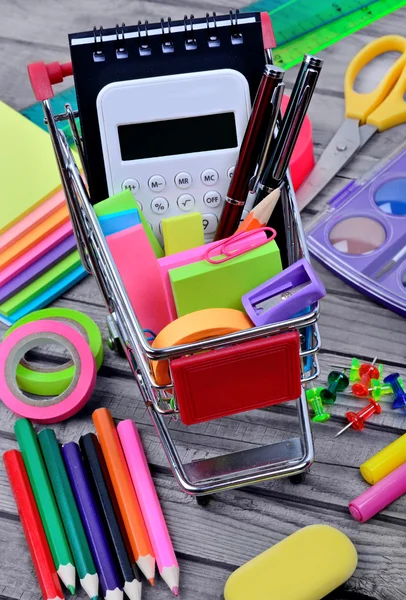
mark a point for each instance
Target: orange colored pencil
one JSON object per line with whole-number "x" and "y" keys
{"x": 260, "y": 214}
{"x": 125, "y": 493}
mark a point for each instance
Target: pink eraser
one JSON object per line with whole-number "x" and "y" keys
{"x": 380, "y": 495}
{"x": 268, "y": 36}
{"x": 194, "y": 255}
{"x": 141, "y": 275}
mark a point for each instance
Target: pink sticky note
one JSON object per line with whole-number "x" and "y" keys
{"x": 34, "y": 253}
{"x": 141, "y": 275}
{"x": 34, "y": 218}
{"x": 194, "y": 255}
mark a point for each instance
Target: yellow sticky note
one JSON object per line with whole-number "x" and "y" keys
{"x": 182, "y": 232}
{"x": 28, "y": 170}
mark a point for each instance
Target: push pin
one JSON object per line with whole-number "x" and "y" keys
{"x": 353, "y": 369}
{"x": 379, "y": 389}
{"x": 337, "y": 382}
{"x": 367, "y": 371}
{"x": 313, "y": 398}
{"x": 400, "y": 396}
{"x": 357, "y": 420}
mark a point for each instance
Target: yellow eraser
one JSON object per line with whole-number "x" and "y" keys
{"x": 182, "y": 232}
{"x": 307, "y": 565}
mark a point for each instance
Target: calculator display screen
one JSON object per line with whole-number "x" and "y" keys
{"x": 177, "y": 136}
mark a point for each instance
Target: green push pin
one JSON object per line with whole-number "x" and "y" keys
{"x": 379, "y": 389}
{"x": 313, "y": 398}
{"x": 337, "y": 382}
{"x": 354, "y": 370}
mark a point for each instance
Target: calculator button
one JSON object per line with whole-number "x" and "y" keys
{"x": 212, "y": 199}
{"x": 156, "y": 183}
{"x": 159, "y": 205}
{"x": 209, "y": 223}
{"x": 183, "y": 180}
{"x": 186, "y": 202}
{"x": 230, "y": 172}
{"x": 130, "y": 184}
{"x": 139, "y": 205}
{"x": 209, "y": 177}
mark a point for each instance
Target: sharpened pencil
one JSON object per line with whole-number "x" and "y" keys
{"x": 92, "y": 522}
{"x": 125, "y": 493}
{"x": 65, "y": 500}
{"x": 32, "y": 526}
{"x": 96, "y": 467}
{"x": 261, "y": 213}
{"x": 45, "y": 499}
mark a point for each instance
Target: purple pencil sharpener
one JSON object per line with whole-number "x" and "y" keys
{"x": 285, "y": 295}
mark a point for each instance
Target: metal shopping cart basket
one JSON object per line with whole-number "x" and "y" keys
{"x": 289, "y": 457}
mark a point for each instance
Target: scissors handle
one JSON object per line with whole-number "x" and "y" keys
{"x": 392, "y": 111}
{"x": 359, "y": 106}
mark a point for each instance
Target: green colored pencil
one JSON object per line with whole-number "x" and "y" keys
{"x": 44, "y": 497}
{"x": 65, "y": 499}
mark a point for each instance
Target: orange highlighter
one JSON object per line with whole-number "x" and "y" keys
{"x": 125, "y": 493}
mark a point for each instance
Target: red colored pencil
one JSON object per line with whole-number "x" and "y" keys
{"x": 32, "y": 525}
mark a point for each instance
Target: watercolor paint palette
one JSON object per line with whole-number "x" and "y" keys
{"x": 362, "y": 235}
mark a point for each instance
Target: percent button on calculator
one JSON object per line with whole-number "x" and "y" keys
{"x": 159, "y": 205}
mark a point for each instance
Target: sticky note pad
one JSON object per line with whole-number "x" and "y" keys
{"x": 28, "y": 169}
{"x": 118, "y": 221}
{"x": 125, "y": 201}
{"x": 204, "y": 285}
{"x": 182, "y": 232}
{"x": 41, "y": 284}
{"x": 141, "y": 275}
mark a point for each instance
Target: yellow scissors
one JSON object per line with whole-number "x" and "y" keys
{"x": 365, "y": 114}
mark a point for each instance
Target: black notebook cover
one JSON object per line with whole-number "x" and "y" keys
{"x": 122, "y": 53}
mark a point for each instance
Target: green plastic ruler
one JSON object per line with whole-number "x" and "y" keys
{"x": 303, "y": 26}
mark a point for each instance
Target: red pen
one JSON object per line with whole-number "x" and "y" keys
{"x": 259, "y": 129}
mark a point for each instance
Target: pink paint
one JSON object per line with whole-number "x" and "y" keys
{"x": 380, "y": 495}
{"x": 141, "y": 275}
{"x": 149, "y": 503}
{"x": 194, "y": 255}
{"x": 35, "y": 253}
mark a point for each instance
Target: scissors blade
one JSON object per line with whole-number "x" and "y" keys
{"x": 340, "y": 150}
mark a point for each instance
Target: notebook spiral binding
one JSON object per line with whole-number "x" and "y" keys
{"x": 167, "y": 42}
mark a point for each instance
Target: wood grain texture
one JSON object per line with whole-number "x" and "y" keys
{"x": 211, "y": 542}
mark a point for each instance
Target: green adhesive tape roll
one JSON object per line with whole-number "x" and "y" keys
{"x": 52, "y": 381}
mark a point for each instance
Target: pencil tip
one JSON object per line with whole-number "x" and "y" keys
{"x": 175, "y": 591}
{"x": 147, "y": 565}
{"x": 151, "y": 580}
{"x": 72, "y": 590}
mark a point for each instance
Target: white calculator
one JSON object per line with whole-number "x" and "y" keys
{"x": 174, "y": 141}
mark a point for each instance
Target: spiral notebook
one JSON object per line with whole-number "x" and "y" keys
{"x": 103, "y": 56}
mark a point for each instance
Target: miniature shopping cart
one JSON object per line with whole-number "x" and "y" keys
{"x": 289, "y": 457}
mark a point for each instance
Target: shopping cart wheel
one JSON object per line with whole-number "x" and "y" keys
{"x": 203, "y": 500}
{"x": 299, "y": 478}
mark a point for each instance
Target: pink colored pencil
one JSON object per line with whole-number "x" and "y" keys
{"x": 149, "y": 502}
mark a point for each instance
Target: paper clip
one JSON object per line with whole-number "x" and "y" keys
{"x": 236, "y": 250}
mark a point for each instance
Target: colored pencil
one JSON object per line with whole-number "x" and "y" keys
{"x": 261, "y": 213}
{"x": 45, "y": 499}
{"x": 65, "y": 500}
{"x": 125, "y": 493}
{"x": 92, "y": 522}
{"x": 149, "y": 502}
{"x": 32, "y": 526}
{"x": 96, "y": 467}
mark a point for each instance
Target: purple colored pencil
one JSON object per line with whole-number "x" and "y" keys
{"x": 92, "y": 522}
{"x": 37, "y": 268}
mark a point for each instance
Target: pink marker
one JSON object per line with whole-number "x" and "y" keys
{"x": 380, "y": 495}
{"x": 148, "y": 499}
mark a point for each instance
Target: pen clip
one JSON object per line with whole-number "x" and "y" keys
{"x": 276, "y": 102}
{"x": 236, "y": 250}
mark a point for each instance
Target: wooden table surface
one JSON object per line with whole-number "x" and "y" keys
{"x": 212, "y": 542}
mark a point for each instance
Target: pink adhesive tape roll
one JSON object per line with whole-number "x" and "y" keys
{"x": 56, "y": 408}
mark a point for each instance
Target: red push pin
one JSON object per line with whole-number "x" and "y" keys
{"x": 367, "y": 371}
{"x": 357, "y": 420}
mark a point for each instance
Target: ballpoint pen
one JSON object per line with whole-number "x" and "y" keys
{"x": 260, "y": 125}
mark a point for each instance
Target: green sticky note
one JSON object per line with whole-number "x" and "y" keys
{"x": 182, "y": 232}
{"x": 125, "y": 201}
{"x": 41, "y": 284}
{"x": 203, "y": 285}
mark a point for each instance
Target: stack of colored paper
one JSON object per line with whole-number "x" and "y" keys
{"x": 38, "y": 256}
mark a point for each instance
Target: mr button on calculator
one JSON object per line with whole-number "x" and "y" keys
{"x": 174, "y": 141}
